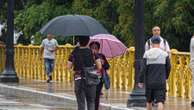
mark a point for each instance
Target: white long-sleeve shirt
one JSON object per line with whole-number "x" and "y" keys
{"x": 163, "y": 46}
{"x": 192, "y": 53}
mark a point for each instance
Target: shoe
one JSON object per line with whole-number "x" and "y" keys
{"x": 50, "y": 77}
{"x": 192, "y": 103}
{"x": 48, "y": 81}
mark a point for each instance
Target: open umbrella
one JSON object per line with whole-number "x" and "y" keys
{"x": 73, "y": 25}
{"x": 110, "y": 46}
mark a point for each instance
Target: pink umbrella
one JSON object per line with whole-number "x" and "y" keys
{"x": 110, "y": 46}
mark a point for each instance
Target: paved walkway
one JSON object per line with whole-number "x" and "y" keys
{"x": 115, "y": 98}
{"x": 16, "y": 103}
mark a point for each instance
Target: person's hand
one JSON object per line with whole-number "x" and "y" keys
{"x": 140, "y": 85}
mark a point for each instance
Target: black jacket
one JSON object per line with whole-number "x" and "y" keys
{"x": 155, "y": 69}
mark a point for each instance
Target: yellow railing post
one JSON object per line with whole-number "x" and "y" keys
{"x": 2, "y": 58}
{"x": 131, "y": 67}
{"x": 188, "y": 78}
{"x": 112, "y": 73}
{"x": 172, "y": 78}
{"x": 19, "y": 68}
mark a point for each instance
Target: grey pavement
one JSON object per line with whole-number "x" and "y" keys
{"x": 61, "y": 95}
{"x": 16, "y": 103}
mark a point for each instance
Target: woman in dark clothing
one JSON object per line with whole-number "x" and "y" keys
{"x": 82, "y": 57}
{"x": 95, "y": 46}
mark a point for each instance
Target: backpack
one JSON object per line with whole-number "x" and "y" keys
{"x": 149, "y": 43}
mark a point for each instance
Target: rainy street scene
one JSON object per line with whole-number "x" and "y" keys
{"x": 96, "y": 55}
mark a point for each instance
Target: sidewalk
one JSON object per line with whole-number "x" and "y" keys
{"x": 42, "y": 92}
{"x": 15, "y": 103}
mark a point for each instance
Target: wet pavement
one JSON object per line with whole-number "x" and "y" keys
{"x": 114, "y": 98}
{"x": 16, "y": 103}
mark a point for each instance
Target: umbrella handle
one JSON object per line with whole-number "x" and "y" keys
{"x": 73, "y": 40}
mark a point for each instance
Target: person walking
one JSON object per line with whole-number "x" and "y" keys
{"x": 163, "y": 44}
{"x": 80, "y": 58}
{"x": 192, "y": 66}
{"x": 155, "y": 72}
{"x": 49, "y": 45}
{"x": 95, "y": 46}
{"x": 2, "y": 37}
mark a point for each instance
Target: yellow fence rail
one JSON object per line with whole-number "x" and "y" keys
{"x": 180, "y": 80}
{"x": 29, "y": 65}
{"x": 2, "y": 58}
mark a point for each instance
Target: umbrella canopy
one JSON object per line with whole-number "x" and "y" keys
{"x": 73, "y": 25}
{"x": 110, "y": 46}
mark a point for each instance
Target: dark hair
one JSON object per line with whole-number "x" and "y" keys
{"x": 83, "y": 40}
{"x": 155, "y": 40}
{"x": 3, "y": 30}
{"x": 95, "y": 43}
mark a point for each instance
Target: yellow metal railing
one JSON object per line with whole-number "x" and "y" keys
{"x": 2, "y": 58}
{"x": 29, "y": 65}
{"x": 180, "y": 80}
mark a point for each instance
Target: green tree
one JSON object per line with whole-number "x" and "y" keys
{"x": 124, "y": 28}
{"x": 175, "y": 17}
{"x": 176, "y": 20}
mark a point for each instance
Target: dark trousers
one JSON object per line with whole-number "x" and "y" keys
{"x": 98, "y": 93}
{"x": 84, "y": 92}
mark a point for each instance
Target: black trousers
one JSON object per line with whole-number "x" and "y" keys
{"x": 98, "y": 93}
{"x": 85, "y": 93}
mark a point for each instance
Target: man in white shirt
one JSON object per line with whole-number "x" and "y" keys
{"x": 49, "y": 45}
{"x": 163, "y": 44}
{"x": 1, "y": 27}
{"x": 192, "y": 66}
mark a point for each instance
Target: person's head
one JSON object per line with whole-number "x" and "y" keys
{"x": 95, "y": 46}
{"x": 83, "y": 40}
{"x": 3, "y": 31}
{"x": 49, "y": 36}
{"x": 3, "y": 34}
{"x": 155, "y": 42}
{"x": 156, "y": 31}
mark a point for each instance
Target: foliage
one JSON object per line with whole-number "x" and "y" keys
{"x": 175, "y": 17}
{"x": 37, "y": 38}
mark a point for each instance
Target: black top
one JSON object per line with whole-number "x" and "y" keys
{"x": 82, "y": 57}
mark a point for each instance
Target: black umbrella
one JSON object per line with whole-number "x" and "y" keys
{"x": 73, "y": 25}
